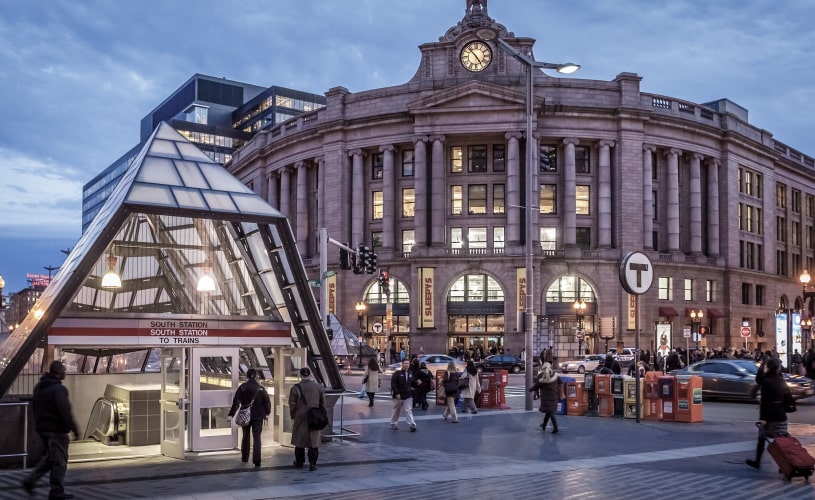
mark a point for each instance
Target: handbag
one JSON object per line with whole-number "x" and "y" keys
{"x": 450, "y": 385}
{"x": 244, "y": 415}
{"x": 317, "y": 416}
{"x": 464, "y": 383}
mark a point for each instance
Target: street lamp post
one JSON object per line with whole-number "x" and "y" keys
{"x": 807, "y": 294}
{"x": 531, "y": 64}
{"x": 580, "y": 311}
{"x": 696, "y": 320}
{"x": 360, "y": 308}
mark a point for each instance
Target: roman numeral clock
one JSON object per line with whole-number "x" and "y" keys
{"x": 476, "y": 56}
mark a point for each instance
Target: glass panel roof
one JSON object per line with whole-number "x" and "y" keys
{"x": 152, "y": 225}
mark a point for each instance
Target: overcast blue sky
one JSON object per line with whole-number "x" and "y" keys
{"x": 77, "y": 76}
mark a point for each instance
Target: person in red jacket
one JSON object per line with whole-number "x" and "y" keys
{"x": 53, "y": 421}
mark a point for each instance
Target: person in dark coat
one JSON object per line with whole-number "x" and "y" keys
{"x": 550, "y": 388}
{"x": 673, "y": 362}
{"x": 53, "y": 420}
{"x": 772, "y": 415}
{"x": 809, "y": 363}
{"x": 307, "y": 394}
{"x": 402, "y": 384}
{"x": 251, "y": 393}
{"x": 424, "y": 382}
{"x": 611, "y": 363}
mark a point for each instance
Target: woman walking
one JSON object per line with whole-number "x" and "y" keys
{"x": 469, "y": 392}
{"x": 551, "y": 391}
{"x": 372, "y": 380}
{"x": 451, "y": 381}
{"x": 772, "y": 414}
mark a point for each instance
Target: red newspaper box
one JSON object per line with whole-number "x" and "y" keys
{"x": 688, "y": 399}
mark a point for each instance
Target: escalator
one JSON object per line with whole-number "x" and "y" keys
{"x": 108, "y": 422}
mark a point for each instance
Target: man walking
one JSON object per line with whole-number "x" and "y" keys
{"x": 303, "y": 396}
{"x": 53, "y": 421}
{"x": 251, "y": 393}
{"x": 402, "y": 393}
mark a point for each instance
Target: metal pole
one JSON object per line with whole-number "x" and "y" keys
{"x": 530, "y": 192}
{"x": 323, "y": 270}
{"x": 637, "y": 392}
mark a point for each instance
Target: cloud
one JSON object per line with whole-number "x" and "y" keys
{"x": 38, "y": 196}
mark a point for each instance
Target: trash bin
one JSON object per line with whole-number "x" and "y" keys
{"x": 688, "y": 399}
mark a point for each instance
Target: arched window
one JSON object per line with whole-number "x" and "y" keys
{"x": 569, "y": 289}
{"x": 476, "y": 288}
{"x": 375, "y": 294}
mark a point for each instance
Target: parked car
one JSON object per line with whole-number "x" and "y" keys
{"x": 433, "y": 361}
{"x": 736, "y": 379}
{"x": 582, "y": 365}
{"x": 625, "y": 357}
{"x": 513, "y": 364}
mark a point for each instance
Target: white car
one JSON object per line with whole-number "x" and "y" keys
{"x": 433, "y": 361}
{"x": 582, "y": 365}
{"x": 627, "y": 356}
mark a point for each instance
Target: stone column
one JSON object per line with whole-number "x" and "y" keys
{"x": 438, "y": 196}
{"x": 648, "y": 195}
{"x": 569, "y": 199}
{"x": 285, "y": 191}
{"x": 513, "y": 194}
{"x": 320, "y": 165}
{"x": 672, "y": 217}
{"x": 358, "y": 198}
{"x": 388, "y": 197}
{"x": 420, "y": 215}
{"x": 695, "y": 202}
{"x": 272, "y": 189}
{"x": 713, "y": 207}
{"x": 302, "y": 206}
{"x": 604, "y": 194}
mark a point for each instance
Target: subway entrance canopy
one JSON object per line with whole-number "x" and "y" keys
{"x": 195, "y": 258}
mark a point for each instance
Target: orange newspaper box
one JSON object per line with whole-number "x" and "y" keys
{"x": 652, "y": 404}
{"x": 605, "y": 406}
{"x": 577, "y": 400}
{"x": 688, "y": 399}
{"x": 486, "y": 398}
{"x": 602, "y": 385}
{"x": 500, "y": 381}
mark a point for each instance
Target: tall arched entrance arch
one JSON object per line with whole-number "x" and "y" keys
{"x": 385, "y": 320}
{"x": 562, "y": 328}
{"x": 475, "y": 314}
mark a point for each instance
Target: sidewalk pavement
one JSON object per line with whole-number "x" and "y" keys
{"x": 490, "y": 455}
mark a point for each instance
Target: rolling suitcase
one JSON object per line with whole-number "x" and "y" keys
{"x": 792, "y": 458}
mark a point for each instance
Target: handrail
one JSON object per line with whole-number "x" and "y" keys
{"x": 24, "y": 454}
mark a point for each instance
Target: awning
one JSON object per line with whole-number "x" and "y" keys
{"x": 668, "y": 312}
{"x": 715, "y": 313}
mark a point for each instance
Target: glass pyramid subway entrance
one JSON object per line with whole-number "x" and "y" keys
{"x": 179, "y": 235}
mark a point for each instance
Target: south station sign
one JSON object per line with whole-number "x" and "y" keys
{"x": 165, "y": 332}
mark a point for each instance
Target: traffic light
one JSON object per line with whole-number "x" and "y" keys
{"x": 356, "y": 261}
{"x": 345, "y": 262}
{"x": 385, "y": 282}
{"x": 704, "y": 330}
{"x": 371, "y": 262}
{"x": 330, "y": 333}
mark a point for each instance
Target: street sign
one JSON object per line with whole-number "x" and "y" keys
{"x": 745, "y": 331}
{"x": 315, "y": 283}
{"x": 636, "y": 273}
{"x": 686, "y": 332}
{"x": 377, "y": 328}
{"x": 579, "y": 334}
{"x": 329, "y": 274}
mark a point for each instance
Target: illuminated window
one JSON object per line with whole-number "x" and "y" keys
{"x": 548, "y": 199}
{"x": 377, "y": 205}
{"x": 582, "y": 200}
{"x": 456, "y": 160}
{"x": 456, "y": 200}
{"x": 408, "y": 202}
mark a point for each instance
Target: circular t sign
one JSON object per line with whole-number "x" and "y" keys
{"x": 636, "y": 273}
{"x": 377, "y": 327}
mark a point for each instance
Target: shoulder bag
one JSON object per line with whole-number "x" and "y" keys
{"x": 244, "y": 415}
{"x": 450, "y": 385}
{"x": 317, "y": 416}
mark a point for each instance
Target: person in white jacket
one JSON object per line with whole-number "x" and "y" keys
{"x": 471, "y": 390}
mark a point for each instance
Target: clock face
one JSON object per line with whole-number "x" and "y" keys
{"x": 476, "y": 56}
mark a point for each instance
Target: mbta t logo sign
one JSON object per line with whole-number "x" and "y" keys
{"x": 636, "y": 273}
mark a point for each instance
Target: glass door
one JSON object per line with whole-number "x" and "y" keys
{"x": 173, "y": 402}
{"x": 213, "y": 382}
